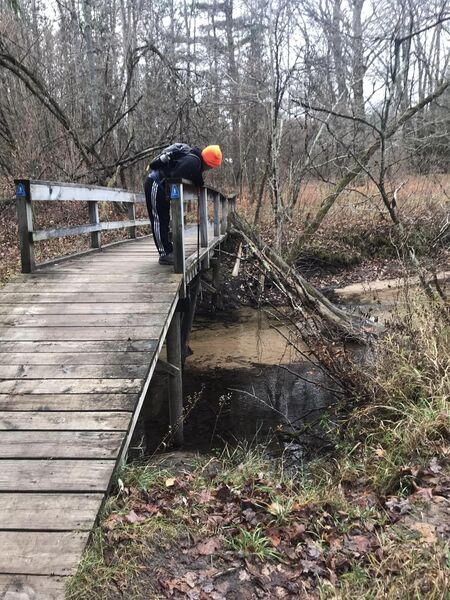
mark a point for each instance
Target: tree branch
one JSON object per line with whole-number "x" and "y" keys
{"x": 357, "y": 167}
{"x": 37, "y": 88}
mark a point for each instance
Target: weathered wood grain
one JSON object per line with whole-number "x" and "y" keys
{"x": 41, "y": 553}
{"x": 128, "y": 346}
{"x": 59, "y": 475}
{"x": 25, "y": 227}
{"x": 58, "y": 444}
{"x": 147, "y": 275}
{"x": 94, "y": 219}
{"x": 48, "y": 512}
{"x": 70, "y": 386}
{"x": 49, "y": 234}
{"x": 140, "y": 260}
{"x": 142, "y": 248}
{"x": 105, "y": 308}
{"x": 64, "y": 421}
{"x": 42, "y": 334}
{"x": 64, "y": 297}
{"x": 68, "y": 402}
{"x": 37, "y": 587}
{"x": 70, "y": 359}
{"x": 87, "y": 288}
{"x": 142, "y": 255}
{"x": 84, "y": 320}
{"x": 49, "y": 190}
{"x": 68, "y": 371}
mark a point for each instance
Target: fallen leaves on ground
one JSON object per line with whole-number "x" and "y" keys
{"x": 302, "y": 543}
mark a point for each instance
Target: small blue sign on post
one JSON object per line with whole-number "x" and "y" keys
{"x": 174, "y": 192}
{"x": 20, "y": 190}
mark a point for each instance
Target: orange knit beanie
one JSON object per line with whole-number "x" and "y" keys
{"x": 212, "y": 156}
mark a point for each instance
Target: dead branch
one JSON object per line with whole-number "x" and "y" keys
{"x": 302, "y": 294}
{"x": 38, "y": 89}
{"x": 237, "y": 264}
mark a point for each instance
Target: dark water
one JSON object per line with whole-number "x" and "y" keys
{"x": 245, "y": 378}
{"x": 241, "y": 383}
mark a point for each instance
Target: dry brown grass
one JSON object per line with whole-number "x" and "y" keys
{"x": 418, "y": 195}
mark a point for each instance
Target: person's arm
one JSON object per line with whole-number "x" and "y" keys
{"x": 189, "y": 167}
{"x": 197, "y": 178}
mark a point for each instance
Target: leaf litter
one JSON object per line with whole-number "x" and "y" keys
{"x": 230, "y": 541}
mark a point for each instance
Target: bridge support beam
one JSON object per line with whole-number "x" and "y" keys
{"x": 189, "y": 315}
{"x": 173, "y": 342}
{"x": 216, "y": 277}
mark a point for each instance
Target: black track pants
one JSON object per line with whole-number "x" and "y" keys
{"x": 159, "y": 212}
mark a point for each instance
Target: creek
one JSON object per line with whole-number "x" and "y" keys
{"x": 243, "y": 380}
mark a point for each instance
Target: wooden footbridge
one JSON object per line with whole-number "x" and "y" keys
{"x": 80, "y": 339}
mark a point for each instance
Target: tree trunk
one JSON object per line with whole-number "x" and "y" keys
{"x": 357, "y": 167}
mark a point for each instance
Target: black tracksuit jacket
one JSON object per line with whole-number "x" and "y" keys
{"x": 189, "y": 167}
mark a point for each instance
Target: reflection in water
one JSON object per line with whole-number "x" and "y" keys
{"x": 244, "y": 377}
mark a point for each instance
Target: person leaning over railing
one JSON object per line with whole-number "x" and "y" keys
{"x": 178, "y": 161}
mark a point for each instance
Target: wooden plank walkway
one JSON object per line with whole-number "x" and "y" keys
{"x": 79, "y": 342}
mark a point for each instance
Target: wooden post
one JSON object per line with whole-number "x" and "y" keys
{"x": 132, "y": 217}
{"x": 224, "y": 216}
{"x": 203, "y": 224}
{"x": 232, "y": 203}
{"x": 189, "y": 315}
{"x": 25, "y": 223}
{"x": 174, "y": 193}
{"x": 203, "y": 216}
{"x": 216, "y": 273}
{"x": 173, "y": 342}
{"x": 94, "y": 219}
{"x": 216, "y": 214}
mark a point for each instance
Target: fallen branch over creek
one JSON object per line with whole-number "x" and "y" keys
{"x": 303, "y": 297}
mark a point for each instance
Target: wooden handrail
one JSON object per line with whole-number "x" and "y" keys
{"x": 28, "y": 191}
{"x": 177, "y": 192}
{"x": 76, "y": 192}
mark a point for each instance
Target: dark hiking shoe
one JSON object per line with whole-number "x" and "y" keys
{"x": 166, "y": 260}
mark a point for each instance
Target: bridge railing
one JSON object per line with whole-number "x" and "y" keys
{"x": 28, "y": 191}
{"x": 180, "y": 192}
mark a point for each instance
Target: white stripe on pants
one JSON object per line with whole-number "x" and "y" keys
{"x": 156, "y": 224}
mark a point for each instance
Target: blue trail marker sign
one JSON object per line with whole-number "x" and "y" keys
{"x": 20, "y": 190}
{"x": 174, "y": 192}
